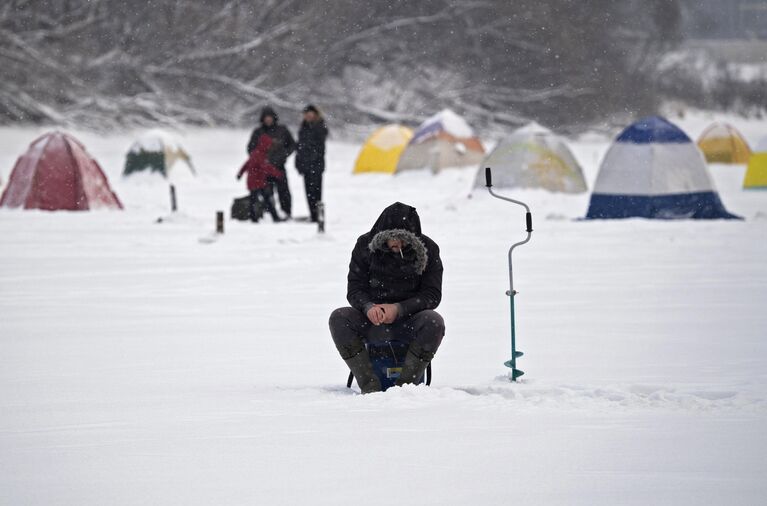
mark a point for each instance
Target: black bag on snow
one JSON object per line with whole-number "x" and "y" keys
{"x": 241, "y": 209}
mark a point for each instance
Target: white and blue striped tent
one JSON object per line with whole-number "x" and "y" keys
{"x": 653, "y": 170}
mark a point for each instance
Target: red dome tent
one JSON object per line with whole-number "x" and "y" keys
{"x": 56, "y": 173}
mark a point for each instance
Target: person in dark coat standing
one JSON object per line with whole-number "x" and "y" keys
{"x": 282, "y": 147}
{"x": 310, "y": 156}
{"x": 259, "y": 170}
{"x": 394, "y": 285}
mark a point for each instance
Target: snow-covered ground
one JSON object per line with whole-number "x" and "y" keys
{"x": 143, "y": 363}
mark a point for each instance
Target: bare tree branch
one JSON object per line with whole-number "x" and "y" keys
{"x": 38, "y": 57}
{"x": 232, "y": 83}
{"x": 374, "y": 31}
{"x": 234, "y": 50}
{"x": 64, "y": 30}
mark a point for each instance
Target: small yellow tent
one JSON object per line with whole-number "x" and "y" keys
{"x": 756, "y": 173}
{"x": 722, "y": 143}
{"x": 382, "y": 149}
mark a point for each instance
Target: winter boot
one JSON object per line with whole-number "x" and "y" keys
{"x": 362, "y": 369}
{"x": 415, "y": 365}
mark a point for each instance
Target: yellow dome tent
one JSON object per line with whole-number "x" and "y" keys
{"x": 382, "y": 149}
{"x": 756, "y": 173}
{"x": 722, "y": 143}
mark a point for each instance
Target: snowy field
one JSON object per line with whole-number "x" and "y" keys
{"x": 142, "y": 363}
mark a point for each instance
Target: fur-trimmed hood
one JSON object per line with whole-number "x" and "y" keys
{"x": 412, "y": 241}
{"x": 398, "y": 216}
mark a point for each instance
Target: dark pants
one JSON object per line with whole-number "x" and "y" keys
{"x": 283, "y": 191}
{"x": 265, "y": 196}
{"x": 351, "y": 330}
{"x": 313, "y": 187}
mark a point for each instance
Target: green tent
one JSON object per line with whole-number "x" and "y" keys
{"x": 155, "y": 151}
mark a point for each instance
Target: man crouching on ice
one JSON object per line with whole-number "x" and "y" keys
{"x": 394, "y": 285}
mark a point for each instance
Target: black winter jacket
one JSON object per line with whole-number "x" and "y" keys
{"x": 282, "y": 141}
{"x": 310, "y": 156}
{"x": 377, "y": 275}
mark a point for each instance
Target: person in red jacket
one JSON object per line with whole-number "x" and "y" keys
{"x": 259, "y": 171}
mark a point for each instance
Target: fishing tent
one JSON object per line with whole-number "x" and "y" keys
{"x": 156, "y": 151}
{"x": 382, "y": 149}
{"x": 533, "y": 157}
{"x": 654, "y": 170}
{"x": 56, "y": 173}
{"x": 756, "y": 172}
{"x": 444, "y": 140}
{"x": 722, "y": 143}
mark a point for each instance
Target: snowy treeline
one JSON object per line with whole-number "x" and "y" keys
{"x": 99, "y": 63}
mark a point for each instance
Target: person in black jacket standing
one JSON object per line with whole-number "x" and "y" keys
{"x": 394, "y": 285}
{"x": 310, "y": 156}
{"x": 282, "y": 147}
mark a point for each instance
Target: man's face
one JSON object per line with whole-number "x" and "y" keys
{"x": 310, "y": 116}
{"x": 268, "y": 120}
{"x": 395, "y": 245}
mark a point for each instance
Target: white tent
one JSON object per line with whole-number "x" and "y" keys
{"x": 444, "y": 140}
{"x": 654, "y": 170}
{"x": 533, "y": 157}
{"x": 156, "y": 151}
